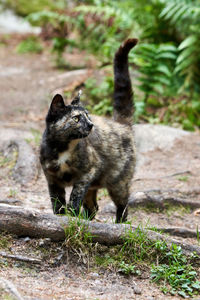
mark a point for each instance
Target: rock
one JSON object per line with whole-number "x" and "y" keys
{"x": 97, "y": 282}
{"x": 10, "y": 23}
{"x": 149, "y": 137}
{"x": 26, "y": 239}
{"x": 44, "y": 242}
{"x": 137, "y": 290}
{"x": 94, "y": 275}
{"x": 26, "y": 169}
{"x": 109, "y": 209}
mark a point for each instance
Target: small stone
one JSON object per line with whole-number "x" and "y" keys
{"x": 137, "y": 290}
{"x": 94, "y": 275}
{"x": 27, "y": 239}
{"x": 109, "y": 209}
{"x": 97, "y": 282}
{"x": 44, "y": 242}
{"x": 68, "y": 275}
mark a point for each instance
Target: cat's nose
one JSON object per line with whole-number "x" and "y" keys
{"x": 90, "y": 125}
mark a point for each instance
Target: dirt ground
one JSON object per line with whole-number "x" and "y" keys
{"x": 27, "y": 83}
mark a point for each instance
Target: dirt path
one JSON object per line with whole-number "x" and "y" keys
{"x": 27, "y": 83}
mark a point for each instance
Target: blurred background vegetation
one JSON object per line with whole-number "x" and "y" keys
{"x": 165, "y": 65}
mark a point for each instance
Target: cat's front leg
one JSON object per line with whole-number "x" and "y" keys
{"x": 57, "y": 195}
{"x": 77, "y": 195}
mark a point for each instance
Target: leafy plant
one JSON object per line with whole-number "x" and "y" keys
{"x": 78, "y": 239}
{"x": 127, "y": 269}
{"x": 76, "y": 232}
{"x": 59, "y": 25}
{"x": 181, "y": 14}
{"x": 12, "y": 193}
{"x": 155, "y": 64}
{"x": 184, "y": 112}
{"x": 5, "y": 241}
{"x": 58, "y": 47}
{"x": 31, "y": 44}
{"x": 176, "y": 275}
{"x": 198, "y": 236}
{"x": 98, "y": 97}
{"x": 102, "y": 26}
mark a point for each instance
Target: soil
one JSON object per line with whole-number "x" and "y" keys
{"x": 27, "y": 83}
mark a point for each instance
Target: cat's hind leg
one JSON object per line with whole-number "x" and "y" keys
{"x": 119, "y": 193}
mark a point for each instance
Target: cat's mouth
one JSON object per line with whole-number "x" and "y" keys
{"x": 86, "y": 132}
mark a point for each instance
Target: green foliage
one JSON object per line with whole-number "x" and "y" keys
{"x": 128, "y": 269}
{"x": 173, "y": 271}
{"x": 60, "y": 25}
{"x": 183, "y": 112}
{"x": 102, "y": 26}
{"x": 137, "y": 245}
{"x": 78, "y": 239}
{"x": 44, "y": 17}
{"x": 29, "y": 45}
{"x": 185, "y": 15}
{"x": 155, "y": 64}
{"x": 5, "y": 241}
{"x": 100, "y": 95}
{"x": 58, "y": 47}
{"x": 177, "y": 275}
{"x": 76, "y": 232}
{"x": 198, "y": 236}
{"x": 167, "y": 58}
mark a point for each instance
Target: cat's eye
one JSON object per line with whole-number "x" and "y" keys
{"x": 76, "y": 119}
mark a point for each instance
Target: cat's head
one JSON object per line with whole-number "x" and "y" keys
{"x": 68, "y": 121}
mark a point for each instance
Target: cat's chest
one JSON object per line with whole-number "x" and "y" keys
{"x": 64, "y": 161}
{"x": 60, "y": 167}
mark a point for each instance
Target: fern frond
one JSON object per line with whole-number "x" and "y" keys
{"x": 156, "y": 67}
{"x": 42, "y": 17}
{"x": 177, "y": 11}
{"x": 106, "y": 12}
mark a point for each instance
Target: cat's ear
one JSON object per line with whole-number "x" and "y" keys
{"x": 76, "y": 100}
{"x": 57, "y": 103}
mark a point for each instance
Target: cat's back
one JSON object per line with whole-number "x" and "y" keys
{"x": 109, "y": 131}
{"x": 112, "y": 139}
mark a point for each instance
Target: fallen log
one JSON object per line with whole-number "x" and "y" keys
{"x": 25, "y": 222}
{"x": 178, "y": 231}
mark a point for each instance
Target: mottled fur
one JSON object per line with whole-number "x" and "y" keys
{"x": 89, "y": 153}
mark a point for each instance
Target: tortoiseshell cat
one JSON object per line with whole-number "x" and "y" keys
{"x": 89, "y": 153}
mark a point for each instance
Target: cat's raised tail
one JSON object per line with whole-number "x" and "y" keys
{"x": 123, "y": 94}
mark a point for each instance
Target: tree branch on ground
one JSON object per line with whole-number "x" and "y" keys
{"x": 160, "y": 198}
{"x": 20, "y": 258}
{"x": 32, "y": 223}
